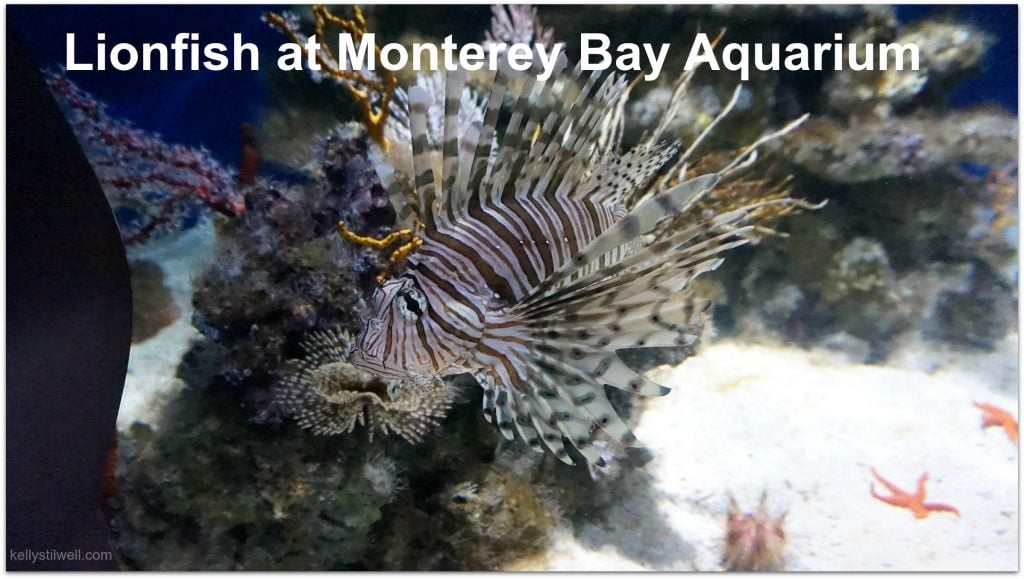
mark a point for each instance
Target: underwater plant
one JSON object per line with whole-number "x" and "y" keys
{"x": 154, "y": 187}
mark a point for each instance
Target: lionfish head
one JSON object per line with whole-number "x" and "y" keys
{"x": 390, "y": 343}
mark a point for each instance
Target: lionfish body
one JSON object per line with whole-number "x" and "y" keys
{"x": 533, "y": 272}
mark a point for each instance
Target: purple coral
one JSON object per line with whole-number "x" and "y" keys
{"x": 154, "y": 187}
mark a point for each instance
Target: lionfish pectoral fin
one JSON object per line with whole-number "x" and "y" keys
{"x": 642, "y": 301}
{"x": 518, "y": 410}
{"x": 556, "y": 401}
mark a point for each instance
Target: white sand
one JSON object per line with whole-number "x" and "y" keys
{"x": 153, "y": 364}
{"x": 807, "y": 428}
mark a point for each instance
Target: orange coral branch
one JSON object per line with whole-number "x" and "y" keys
{"x": 912, "y": 502}
{"x": 995, "y": 416}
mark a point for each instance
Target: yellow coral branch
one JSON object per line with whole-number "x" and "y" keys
{"x": 373, "y": 97}
{"x": 402, "y": 252}
{"x": 373, "y": 242}
{"x": 412, "y": 242}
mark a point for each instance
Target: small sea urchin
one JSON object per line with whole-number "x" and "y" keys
{"x": 753, "y": 541}
{"x": 327, "y": 395}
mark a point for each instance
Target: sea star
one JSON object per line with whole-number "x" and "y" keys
{"x": 914, "y": 502}
{"x": 995, "y": 416}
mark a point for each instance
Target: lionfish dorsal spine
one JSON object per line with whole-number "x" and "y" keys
{"x": 637, "y": 222}
{"x": 419, "y": 105}
{"x": 480, "y": 164}
{"x": 454, "y": 83}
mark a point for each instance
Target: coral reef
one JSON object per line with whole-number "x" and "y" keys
{"x": 921, "y": 197}
{"x": 243, "y": 498}
{"x": 206, "y": 488}
{"x": 281, "y": 272}
{"x": 904, "y": 218}
{"x": 913, "y": 244}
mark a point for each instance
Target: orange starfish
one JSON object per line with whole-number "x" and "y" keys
{"x": 995, "y": 416}
{"x": 914, "y": 502}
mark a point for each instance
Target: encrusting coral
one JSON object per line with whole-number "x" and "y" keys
{"x": 501, "y": 515}
{"x": 244, "y": 498}
{"x": 948, "y": 51}
{"x": 865, "y": 150}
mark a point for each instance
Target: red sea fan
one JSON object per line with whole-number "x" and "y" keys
{"x": 154, "y": 187}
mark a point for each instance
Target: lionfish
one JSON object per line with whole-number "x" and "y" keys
{"x": 530, "y": 267}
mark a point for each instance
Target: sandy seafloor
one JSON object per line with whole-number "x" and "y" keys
{"x": 805, "y": 426}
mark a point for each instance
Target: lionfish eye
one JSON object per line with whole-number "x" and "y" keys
{"x": 411, "y": 303}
